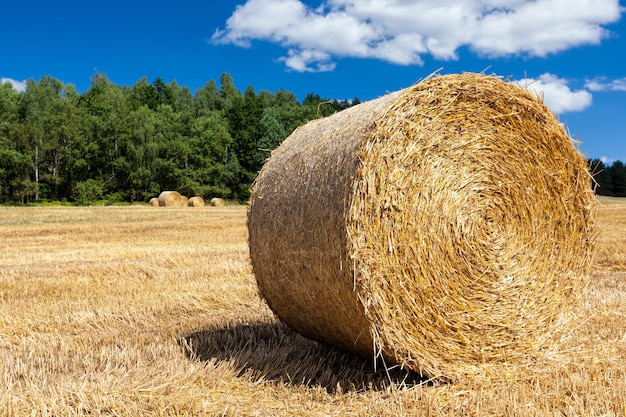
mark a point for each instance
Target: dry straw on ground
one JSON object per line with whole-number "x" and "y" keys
{"x": 171, "y": 199}
{"x": 105, "y": 312}
{"x": 196, "y": 201}
{"x": 446, "y": 227}
{"x": 217, "y": 202}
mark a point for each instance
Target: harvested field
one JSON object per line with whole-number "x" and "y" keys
{"x": 106, "y": 311}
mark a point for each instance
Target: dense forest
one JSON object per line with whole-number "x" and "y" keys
{"x": 610, "y": 180}
{"x": 118, "y": 143}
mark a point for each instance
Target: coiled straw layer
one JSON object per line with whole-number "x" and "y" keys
{"x": 443, "y": 227}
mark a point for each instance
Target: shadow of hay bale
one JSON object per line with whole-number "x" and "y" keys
{"x": 276, "y": 353}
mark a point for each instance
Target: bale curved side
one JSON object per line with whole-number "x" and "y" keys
{"x": 297, "y": 233}
{"x": 450, "y": 225}
{"x": 170, "y": 199}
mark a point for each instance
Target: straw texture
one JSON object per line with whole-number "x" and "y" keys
{"x": 216, "y": 202}
{"x": 196, "y": 201}
{"x": 446, "y": 227}
{"x": 154, "y": 202}
{"x": 170, "y": 199}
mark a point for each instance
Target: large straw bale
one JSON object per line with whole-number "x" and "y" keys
{"x": 447, "y": 227}
{"x": 154, "y": 202}
{"x": 196, "y": 201}
{"x": 170, "y": 199}
{"x": 216, "y": 202}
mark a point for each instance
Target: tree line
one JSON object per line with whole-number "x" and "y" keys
{"x": 610, "y": 180}
{"x": 119, "y": 143}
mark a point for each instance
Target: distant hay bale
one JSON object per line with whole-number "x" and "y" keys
{"x": 154, "y": 202}
{"x": 447, "y": 227}
{"x": 184, "y": 201}
{"x": 170, "y": 199}
{"x": 196, "y": 201}
{"x": 216, "y": 202}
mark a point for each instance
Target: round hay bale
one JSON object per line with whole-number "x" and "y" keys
{"x": 196, "y": 201}
{"x": 184, "y": 201}
{"x": 154, "y": 202}
{"x": 447, "y": 227}
{"x": 216, "y": 202}
{"x": 170, "y": 199}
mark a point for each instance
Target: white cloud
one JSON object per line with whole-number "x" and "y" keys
{"x": 556, "y": 94}
{"x": 607, "y": 161}
{"x": 538, "y": 28}
{"x": 403, "y": 31}
{"x": 301, "y": 61}
{"x": 603, "y": 84}
{"x": 17, "y": 85}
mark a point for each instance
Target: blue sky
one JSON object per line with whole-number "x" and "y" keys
{"x": 571, "y": 50}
